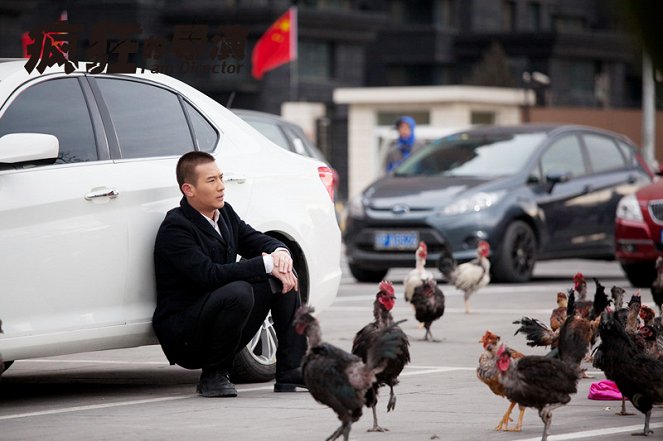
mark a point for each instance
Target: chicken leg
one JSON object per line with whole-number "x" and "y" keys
{"x": 646, "y": 431}
{"x": 504, "y": 422}
{"x": 391, "y": 404}
{"x": 546, "y": 417}
{"x": 375, "y": 427}
{"x": 623, "y": 412}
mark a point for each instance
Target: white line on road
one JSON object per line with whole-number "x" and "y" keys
{"x": 511, "y": 311}
{"x": 597, "y": 432}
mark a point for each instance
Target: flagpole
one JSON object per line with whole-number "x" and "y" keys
{"x": 294, "y": 71}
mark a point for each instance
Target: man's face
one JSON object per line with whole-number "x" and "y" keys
{"x": 404, "y": 130}
{"x": 207, "y": 192}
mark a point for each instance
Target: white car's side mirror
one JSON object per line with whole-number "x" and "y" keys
{"x": 27, "y": 147}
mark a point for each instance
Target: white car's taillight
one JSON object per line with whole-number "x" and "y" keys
{"x": 327, "y": 177}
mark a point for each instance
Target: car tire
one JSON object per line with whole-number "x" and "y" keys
{"x": 641, "y": 274}
{"x": 365, "y": 275}
{"x": 256, "y": 363}
{"x": 517, "y": 256}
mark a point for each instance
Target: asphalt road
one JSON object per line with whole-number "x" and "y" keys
{"x": 134, "y": 394}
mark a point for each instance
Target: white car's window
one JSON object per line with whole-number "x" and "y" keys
{"x": 564, "y": 156}
{"x": 603, "y": 153}
{"x": 206, "y": 135}
{"x": 149, "y": 121}
{"x": 56, "y": 107}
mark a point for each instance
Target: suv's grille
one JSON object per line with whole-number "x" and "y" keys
{"x": 656, "y": 210}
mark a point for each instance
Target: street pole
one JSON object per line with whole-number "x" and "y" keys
{"x": 648, "y": 112}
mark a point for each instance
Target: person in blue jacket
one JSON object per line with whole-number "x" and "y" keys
{"x": 406, "y": 144}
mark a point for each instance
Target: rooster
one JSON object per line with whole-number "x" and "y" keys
{"x": 337, "y": 378}
{"x": 428, "y": 302}
{"x": 535, "y": 381}
{"x": 558, "y": 314}
{"x": 617, "y": 293}
{"x": 488, "y": 373}
{"x": 580, "y": 286}
{"x": 638, "y": 376}
{"x": 468, "y": 277}
{"x": 657, "y": 285}
{"x": 365, "y": 339}
{"x": 419, "y": 274}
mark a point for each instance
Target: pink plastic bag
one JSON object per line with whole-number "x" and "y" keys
{"x": 604, "y": 390}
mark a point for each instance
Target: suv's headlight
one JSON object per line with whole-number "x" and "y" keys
{"x": 356, "y": 207}
{"x": 629, "y": 209}
{"x": 475, "y": 202}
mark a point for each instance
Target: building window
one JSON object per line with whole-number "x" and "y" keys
{"x": 421, "y": 117}
{"x": 315, "y": 60}
{"x": 509, "y": 15}
{"x": 344, "y": 5}
{"x": 565, "y": 23}
{"x": 482, "y": 117}
{"x": 411, "y": 11}
{"x": 445, "y": 14}
{"x": 534, "y": 18}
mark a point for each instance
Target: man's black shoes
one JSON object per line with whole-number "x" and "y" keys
{"x": 215, "y": 383}
{"x": 289, "y": 381}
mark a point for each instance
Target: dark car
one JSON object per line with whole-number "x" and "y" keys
{"x": 286, "y": 135}
{"x": 533, "y": 192}
{"x": 639, "y": 233}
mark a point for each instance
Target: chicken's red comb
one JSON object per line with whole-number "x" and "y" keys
{"x": 501, "y": 349}
{"x": 386, "y": 286}
{"x": 578, "y": 277}
{"x": 422, "y": 244}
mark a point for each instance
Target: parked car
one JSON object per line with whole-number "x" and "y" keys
{"x": 286, "y": 135}
{"x": 533, "y": 192}
{"x": 639, "y": 233}
{"x": 87, "y": 173}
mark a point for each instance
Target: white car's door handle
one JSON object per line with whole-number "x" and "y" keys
{"x": 240, "y": 179}
{"x": 102, "y": 192}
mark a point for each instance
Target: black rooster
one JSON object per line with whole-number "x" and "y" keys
{"x": 543, "y": 383}
{"x": 428, "y": 302}
{"x": 657, "y": 285}
{"x": 337, "y": 378}
{"x": 638, "y": 376}
{"x": 365, "y": 340}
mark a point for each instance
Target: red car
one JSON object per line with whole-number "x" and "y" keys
{"x": 639, "y": 233}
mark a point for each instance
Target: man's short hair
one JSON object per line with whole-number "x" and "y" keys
{"x": 186, "y": 166}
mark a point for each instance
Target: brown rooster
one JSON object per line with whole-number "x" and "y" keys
{"x": 638, "y": 376}
{"x": 535, "y": 381}
{"x": 558, "y": 314}
{"x": 647, "y": 315}
{"x": 468, "y": 277}
{"x": 419, "y": 274}
{"x": 657, "y": 285}
{"x": 366, "y": 338}
{"x": 488, "y": 373}
{"x": 337, "y": 378}
{"x": 428, "y": 302}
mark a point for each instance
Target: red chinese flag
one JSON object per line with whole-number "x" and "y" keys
{"x": 277, "y": 46}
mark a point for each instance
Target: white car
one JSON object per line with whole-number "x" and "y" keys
{"x": 87, "y": 173}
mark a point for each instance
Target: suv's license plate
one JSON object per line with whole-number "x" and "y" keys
{"x": 389, "y": 240}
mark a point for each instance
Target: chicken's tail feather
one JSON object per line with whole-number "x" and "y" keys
{"x": 536, "y": 333}
{"x": 447, "y": 264}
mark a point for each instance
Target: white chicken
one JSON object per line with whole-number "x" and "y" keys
{"x": 469, "y": 277}
{"x": 419, "y": 274}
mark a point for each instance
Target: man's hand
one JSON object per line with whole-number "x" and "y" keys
{"x": 282, "y": 261}
{"x": 283, "y": 270}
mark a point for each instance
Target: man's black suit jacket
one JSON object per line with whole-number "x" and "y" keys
{"x": 191, "y": 259}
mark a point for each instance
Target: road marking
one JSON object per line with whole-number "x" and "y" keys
{"x": 597, "y": 432}
{"x": 424, "y": 370}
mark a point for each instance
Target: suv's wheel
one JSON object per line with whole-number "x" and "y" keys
{"x": 517, "y": 256}
{"x": 256, "y": 363}
{"x": 366, "y": 275}
{"x": 641, "y": 274}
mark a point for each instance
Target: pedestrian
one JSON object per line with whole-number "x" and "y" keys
{"x": 406, "y": 144}
{"x": 209, "y": 305}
